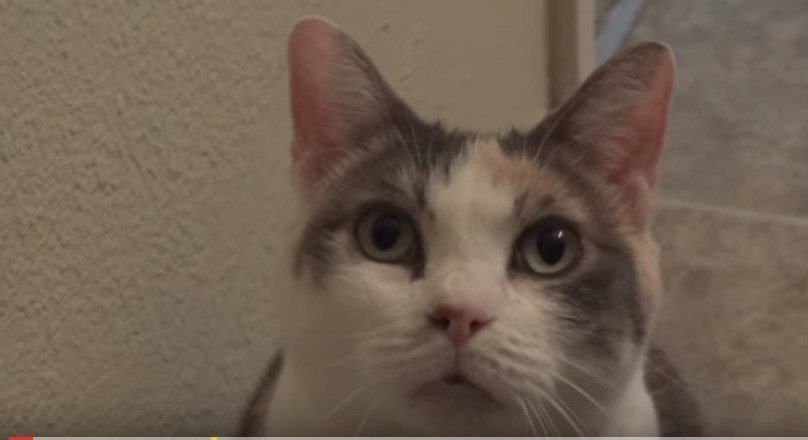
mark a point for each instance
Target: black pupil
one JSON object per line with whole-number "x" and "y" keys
{"x": 386, "y": 232}
{"x": 551, "y": 246}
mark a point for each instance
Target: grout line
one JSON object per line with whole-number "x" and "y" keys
{"x": 791, "y": 220}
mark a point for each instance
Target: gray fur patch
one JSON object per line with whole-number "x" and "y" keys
{"x": 677, "y": 410}
{"x": 606, "y": 299}
{"x": 394, "y": 167}
{"x": 606, "y": 303}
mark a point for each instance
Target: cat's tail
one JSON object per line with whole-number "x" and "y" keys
{"x": 252, "y": 421}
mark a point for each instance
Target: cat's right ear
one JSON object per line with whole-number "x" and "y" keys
{"x": 614, "y": 124}
{"x": 336, "y": 96}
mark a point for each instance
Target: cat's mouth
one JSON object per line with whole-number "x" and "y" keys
{"x": 457, "y": 379}
{"x": 454, "y": 388}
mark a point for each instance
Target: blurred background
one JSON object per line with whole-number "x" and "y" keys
{"x": 144, "y": 188}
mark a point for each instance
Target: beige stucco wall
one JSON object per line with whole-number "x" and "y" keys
{"x": 143, "y": 179}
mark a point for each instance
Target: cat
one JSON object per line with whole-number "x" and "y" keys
{"x": 446, "y": 282}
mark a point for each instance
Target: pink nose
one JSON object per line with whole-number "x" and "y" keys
{"x": 459, "y": 323}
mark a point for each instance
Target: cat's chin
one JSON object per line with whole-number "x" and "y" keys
{"x": 454, "y": 395}
{"x": 455, "y": 405}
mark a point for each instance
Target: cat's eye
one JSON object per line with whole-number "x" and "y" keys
{"x": 386, "y": 235}
{"x": 548, "y": 249}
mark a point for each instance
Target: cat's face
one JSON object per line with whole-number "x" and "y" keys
{"x": 456, "y": 283}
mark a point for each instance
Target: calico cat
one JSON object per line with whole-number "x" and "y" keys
{"x": 447, "y": 282}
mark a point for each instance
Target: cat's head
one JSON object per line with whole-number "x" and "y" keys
{"x": 456, "y": 281}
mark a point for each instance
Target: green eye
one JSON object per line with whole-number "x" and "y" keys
{"x": 548, "y": 250}
{"x": 386, "y": 235}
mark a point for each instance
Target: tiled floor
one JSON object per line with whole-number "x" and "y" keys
{"x": 733, "y": 215}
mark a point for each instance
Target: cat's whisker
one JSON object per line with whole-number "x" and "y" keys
{"x": 658, "y": 390}
{"x": 550, "y": 420}
{"x": 583, "y": 369}
{"x": 539, "y": 417}
{"x": 529, "y": 419}
{"x": 345, "y": 401}
{"x": 664, "y": 373}
{"x": 577, "y": 420}
{"x": 580, "y": 391}
{"x": 364, "y": 421}
{"x": 557, "y": 404}
{"x": 571, "y": 362}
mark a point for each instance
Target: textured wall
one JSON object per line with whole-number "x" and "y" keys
{"x": 143, "y": 179}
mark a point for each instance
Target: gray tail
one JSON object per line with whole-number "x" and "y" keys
{"x": 252, "y": 422}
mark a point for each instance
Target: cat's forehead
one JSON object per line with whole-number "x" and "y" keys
{"x": 489, "y": 182}
{"x": 447, "y": 174}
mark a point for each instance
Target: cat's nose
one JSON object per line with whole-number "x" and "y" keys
{"x": 459, "y": 323}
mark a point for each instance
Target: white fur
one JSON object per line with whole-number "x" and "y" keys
{"x": 633, "y": 414}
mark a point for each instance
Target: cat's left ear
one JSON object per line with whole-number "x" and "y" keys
{"x": 614, "y": 125}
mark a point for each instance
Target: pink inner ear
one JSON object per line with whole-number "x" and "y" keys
{"x": 646, "y": 123}
{"x": 313, "y": 53}
{"x": 650, "y": 120}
